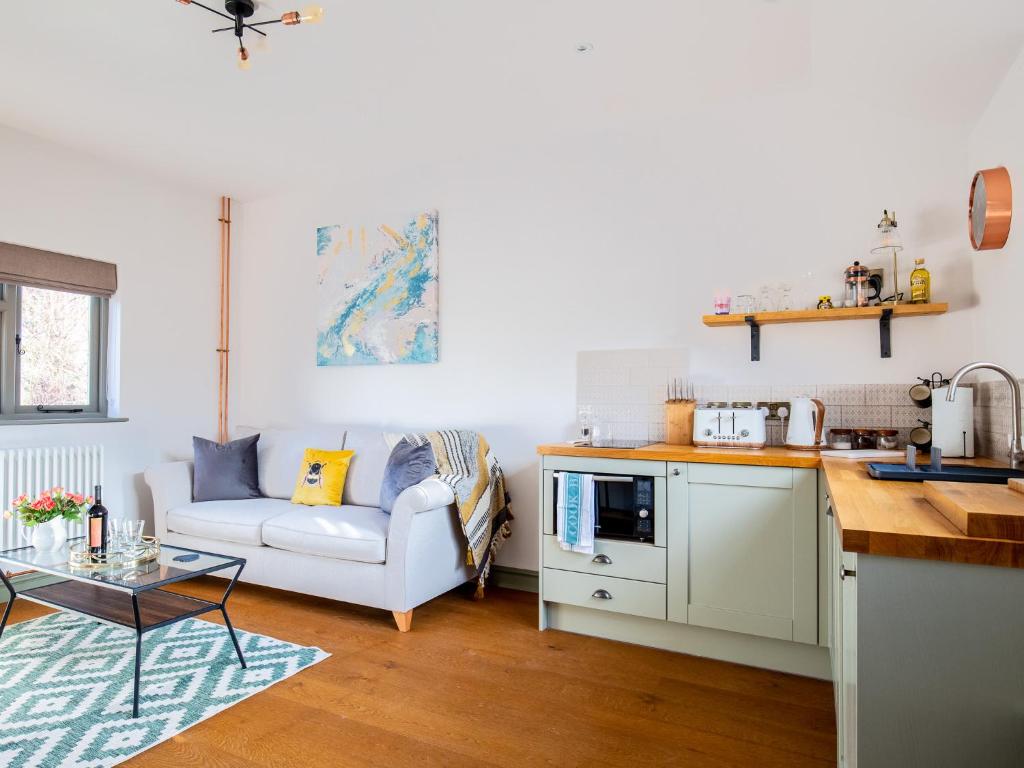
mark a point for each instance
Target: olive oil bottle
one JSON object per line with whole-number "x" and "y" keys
{"x": 920, "y": 283}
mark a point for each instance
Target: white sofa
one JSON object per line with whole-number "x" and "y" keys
{"x": 354, "y": 553}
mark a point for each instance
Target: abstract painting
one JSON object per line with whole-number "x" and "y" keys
{"x": 377, "y": 299}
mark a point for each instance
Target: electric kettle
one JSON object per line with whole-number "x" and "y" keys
{"x": 806, "y": 421}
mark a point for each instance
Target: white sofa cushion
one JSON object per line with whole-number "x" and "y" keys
{"x": 345, "y": 533}
{"x": 240, "y": 521}
{"x": 366, "y": 472}
{"x": 279, "y": 454}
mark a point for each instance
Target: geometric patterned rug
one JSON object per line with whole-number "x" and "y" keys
{"x": 66, "y": 686}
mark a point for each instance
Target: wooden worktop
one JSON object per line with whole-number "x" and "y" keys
{"x": 760, "y": 457}
{"x": 875, "y": 517}
{"x": 892, "y": 518}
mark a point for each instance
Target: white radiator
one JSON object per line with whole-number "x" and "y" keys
{"x": 31, "y": 470}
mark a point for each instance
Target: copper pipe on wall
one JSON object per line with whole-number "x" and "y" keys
{"x": 224, "y": 339}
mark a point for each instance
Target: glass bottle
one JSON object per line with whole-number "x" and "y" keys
{"x": 920, "y": 283}
{"x": 97, "y": 525}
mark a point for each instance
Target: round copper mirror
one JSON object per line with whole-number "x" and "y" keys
{"x": 991, "y": 208}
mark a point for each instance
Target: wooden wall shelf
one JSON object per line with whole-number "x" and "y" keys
{"x": 821, "y": 315}
{"x": 883, "y": 313}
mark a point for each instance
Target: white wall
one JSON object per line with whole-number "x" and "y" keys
{"x": 999, "y": 275}
{"x": 165, "y": 244}
{"x": 596, "y": 231}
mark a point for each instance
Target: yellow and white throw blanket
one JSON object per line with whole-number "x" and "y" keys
{"x": 467, "y": 465}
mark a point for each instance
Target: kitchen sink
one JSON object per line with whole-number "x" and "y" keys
{"x": 950, "y": 473}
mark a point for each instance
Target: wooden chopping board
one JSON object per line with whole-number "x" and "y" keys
{"x": 980, "y": 510}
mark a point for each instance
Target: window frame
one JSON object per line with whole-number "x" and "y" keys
{"x": 11, "y": 411}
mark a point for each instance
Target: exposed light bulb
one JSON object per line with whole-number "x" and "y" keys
{"x": 244, "y": 61}
{"x": 185, "y": 2}
{"x": 312, "y": 14}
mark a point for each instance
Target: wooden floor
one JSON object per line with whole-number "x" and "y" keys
{"x": 475, "y": 684}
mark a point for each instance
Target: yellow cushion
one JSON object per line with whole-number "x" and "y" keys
{"x": 322, "y": 477}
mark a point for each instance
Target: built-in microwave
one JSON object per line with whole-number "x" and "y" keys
{"x": 624, "y": 507}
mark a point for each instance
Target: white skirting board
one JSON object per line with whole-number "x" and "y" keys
{"x": 780, "y": 655}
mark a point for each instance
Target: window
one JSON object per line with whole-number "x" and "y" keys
{"x": 53, "y": 357}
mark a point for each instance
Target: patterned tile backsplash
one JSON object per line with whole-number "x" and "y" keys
{"x": 626, "y": 389}
{"x": 992, "y": 423}
{"x": 626, "y": 392}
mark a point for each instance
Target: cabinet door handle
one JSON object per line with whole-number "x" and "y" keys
{"x": 602, "y": 594}
{"x": 602, "y": 560}
{"x": 675, "y": 472}
{"x": 828, "y": 510}
{"x": 844, "y": 572}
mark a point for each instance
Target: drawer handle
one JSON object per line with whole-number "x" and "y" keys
{"x": 675, "y": 472}
{"x": 602, "y": 594}
{"x": 602, "y": 560}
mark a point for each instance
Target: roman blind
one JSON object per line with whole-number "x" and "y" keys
{"x": 58, "y": 271}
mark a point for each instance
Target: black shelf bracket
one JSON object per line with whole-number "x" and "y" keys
{"x": 755, "y": 338}
{"x": 885, "y": 331}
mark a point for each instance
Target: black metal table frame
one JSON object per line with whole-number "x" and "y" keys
{"x": 139, "y": 629}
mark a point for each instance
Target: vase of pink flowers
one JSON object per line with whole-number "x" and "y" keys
{"x": 45, "y": 517}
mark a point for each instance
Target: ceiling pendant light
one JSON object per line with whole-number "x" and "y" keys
{"x": 237, "y": 11}
{"x": 311, "y": 14}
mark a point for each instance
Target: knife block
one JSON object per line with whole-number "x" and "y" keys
{"x": 679, "y": 421}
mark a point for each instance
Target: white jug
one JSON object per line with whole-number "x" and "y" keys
{"x": 46, "y": 536}
{"x": 806, "y": 421}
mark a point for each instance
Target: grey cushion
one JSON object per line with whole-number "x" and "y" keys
{"x": 366, "y": 470}
{"x": 225, "y": 472}
{"x": 407, "y": 465}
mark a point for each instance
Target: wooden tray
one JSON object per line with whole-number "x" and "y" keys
{"x": 979, "y": 510}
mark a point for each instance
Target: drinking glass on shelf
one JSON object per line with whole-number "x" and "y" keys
{"x": 767, "y": 302}
{"x": 785, "y": 297}
{"x": 744, "y": 304}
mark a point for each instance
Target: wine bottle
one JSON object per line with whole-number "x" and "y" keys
{"x": 97, "y": 525}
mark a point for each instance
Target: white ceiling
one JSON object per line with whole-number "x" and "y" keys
{"x": 406, "y": 83}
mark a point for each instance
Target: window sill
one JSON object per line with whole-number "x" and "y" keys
{"x": 29, "y": 421}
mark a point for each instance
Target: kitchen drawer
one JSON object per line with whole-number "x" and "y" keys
{"x": 640, "y": 562}
{"x": 637, "y": 598}
{"x": 737, "y": 474}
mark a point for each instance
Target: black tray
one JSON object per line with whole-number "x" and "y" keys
{"x": 952, "y": 473}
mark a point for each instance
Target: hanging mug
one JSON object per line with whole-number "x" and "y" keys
{"x": 921, "y": 437}
{"x": 921, "y": 394}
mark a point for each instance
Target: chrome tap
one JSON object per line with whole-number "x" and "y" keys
{"x": 1016, "y": 446}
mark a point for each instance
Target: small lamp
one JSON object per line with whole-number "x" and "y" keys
{"x": 887, "y": 238}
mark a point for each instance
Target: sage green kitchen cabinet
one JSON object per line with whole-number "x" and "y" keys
{"x": 743, "y": 549}
{"x": 731, "y": 572}
{"x": 926, "y": 660}
{"x": 842, "y": 636}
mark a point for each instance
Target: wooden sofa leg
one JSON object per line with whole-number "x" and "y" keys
{"x": 403, "y": 620}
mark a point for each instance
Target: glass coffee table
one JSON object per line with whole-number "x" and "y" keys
{"x": 134, "y": 598}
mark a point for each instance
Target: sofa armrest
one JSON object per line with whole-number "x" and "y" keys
{"x": 171, "y": 485}
{"x": 427, "y": 494}
{"x": 425, "y": 550}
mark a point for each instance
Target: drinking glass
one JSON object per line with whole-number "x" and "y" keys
{"x": 784, "y": 291}
{"x": 133, "y": 531}
{"x": 115, "y": 534}
{"x": 584, "y": 420}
